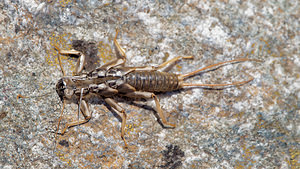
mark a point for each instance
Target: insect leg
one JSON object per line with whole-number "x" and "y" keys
{"x": 113, "y": 63}
{"x": 149, "y": 95}
{"x": 80, "y": 62}
{"x": 212, "y": 67}
{"x": 86, "y": 113}
{"x": 60, "y": 117}
{"x": 120, "y": 53}
{"x": 121, "y": 112}
{"x": 119, "y": 49}
{"x": 166, "y": 66}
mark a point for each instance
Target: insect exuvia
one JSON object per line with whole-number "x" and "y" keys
{"x": 115, "y": 79}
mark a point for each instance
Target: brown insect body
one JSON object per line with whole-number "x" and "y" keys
{"x": 114, "y": 79}
{"x": 85, "y": 85}
{"x": 98, "y": 81}
{"x": 152, "y": 81}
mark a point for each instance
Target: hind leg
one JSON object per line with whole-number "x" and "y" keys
{"x": 166, "y": 66}
{"x": 149, "y": 95}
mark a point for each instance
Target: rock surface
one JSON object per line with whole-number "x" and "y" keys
{"x": 255, "y": 125}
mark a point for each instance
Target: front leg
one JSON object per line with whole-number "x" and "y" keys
{"x": 86, "y": 114}
{"x": 80, "y": 62}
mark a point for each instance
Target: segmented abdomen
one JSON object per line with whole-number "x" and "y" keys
{"x": 152, "y": 81}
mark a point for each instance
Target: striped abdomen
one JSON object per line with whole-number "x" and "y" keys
{"x": 152, "y": 81}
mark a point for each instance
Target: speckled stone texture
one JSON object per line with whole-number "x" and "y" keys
{"x": 255, "y": 125}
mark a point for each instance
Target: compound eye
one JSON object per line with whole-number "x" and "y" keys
{"x": 60, "y": 87}
{"x": 69, "y": 93}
